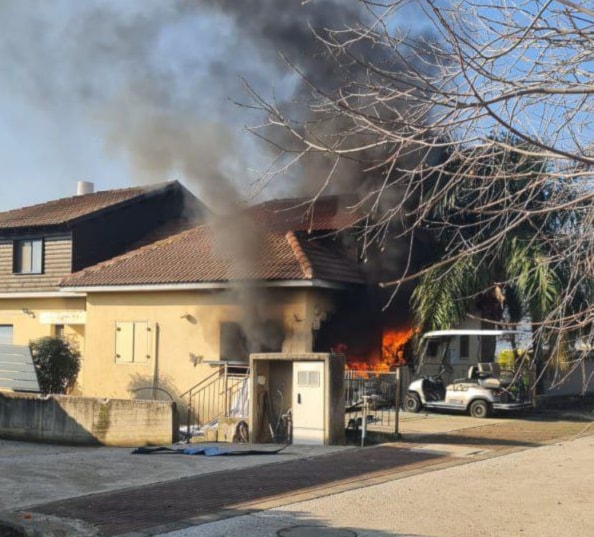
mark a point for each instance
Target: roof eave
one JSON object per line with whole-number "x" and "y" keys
{"x": 199, "y": 286}
{"x": 67, "y": 225}
{"x": 62, "y": 293}
{"x": 33, "y": 230}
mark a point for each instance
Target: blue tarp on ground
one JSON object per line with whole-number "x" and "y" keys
{"x": 207, "y": 451}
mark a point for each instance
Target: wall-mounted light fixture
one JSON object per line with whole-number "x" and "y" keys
{"x": 196, "y": 358}
{"x": 29, "y": 313}
{"x": 190, "y": 318}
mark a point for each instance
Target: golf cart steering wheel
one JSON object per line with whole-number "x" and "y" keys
{"x": 444, "y": 368}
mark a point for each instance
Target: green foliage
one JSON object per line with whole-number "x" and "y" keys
{"x": 535, "y": 278}
{"x": 439, "y": 299}
{"x": 57, "y": 364}
{"x": 506, "y": 360}
{"x": 476, "y": 224}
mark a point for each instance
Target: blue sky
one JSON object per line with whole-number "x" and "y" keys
{"x": 43, "y": 157}
{"x": 45, "y": 148}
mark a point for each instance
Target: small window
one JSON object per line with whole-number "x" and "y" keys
{"x": 464, "y": 347}
{"x": 28, "y": 256}
{"x": 59, "y": 330}
{"x": 5, "y": 334}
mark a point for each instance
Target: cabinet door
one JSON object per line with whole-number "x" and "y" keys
{"x": 308, "y": 403}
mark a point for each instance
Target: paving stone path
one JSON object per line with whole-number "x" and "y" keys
{"x": 170, "y": 505}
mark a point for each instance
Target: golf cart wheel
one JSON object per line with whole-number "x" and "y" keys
{"x": 480, "y": 409}
{"x": 412, "y": 402}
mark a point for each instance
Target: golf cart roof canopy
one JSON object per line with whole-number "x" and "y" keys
{"x": 449, "y": 333}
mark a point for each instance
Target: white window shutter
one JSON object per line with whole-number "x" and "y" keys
{"x": 144, "y": 341}
{"x": 151, "y": 340}
{"x": 124, "y": 342}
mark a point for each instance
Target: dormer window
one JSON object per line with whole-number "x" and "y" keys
{"x": 28, "y": 256}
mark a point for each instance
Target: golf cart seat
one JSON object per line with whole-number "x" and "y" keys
{"x": 488, "y": 369}
{"x": 491, "y": 382}
{"x": 489, "y": 376}
{"x": 486, "y": 374}
{"x": 473, "y": 374}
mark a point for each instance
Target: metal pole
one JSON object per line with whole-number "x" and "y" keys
{"x": 189, "y": 417}
{"x": 225, "y": 387}
{"x": 364, "y": 420}
{"x": 397, "y": 404}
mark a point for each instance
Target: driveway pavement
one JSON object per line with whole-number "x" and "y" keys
{"x": 542, "y": 492}
{"x": 117, "y": 493}
{"x": 38, "y": 473}
{"x": 33, "y": 474}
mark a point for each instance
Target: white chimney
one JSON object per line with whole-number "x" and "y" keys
{"x": 84, "y": 187}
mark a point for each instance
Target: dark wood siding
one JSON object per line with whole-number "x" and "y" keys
{"x": 57, "y": 255}
{"x": 114, "y": 232}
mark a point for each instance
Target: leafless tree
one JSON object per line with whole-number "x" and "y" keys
{"x": 472, "y": 123}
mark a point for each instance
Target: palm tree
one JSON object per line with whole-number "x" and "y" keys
{"x": 498, "y": 264}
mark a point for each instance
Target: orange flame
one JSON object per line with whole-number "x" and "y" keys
{"x": 392, "y": 352}
{"x": 393, "y": 342}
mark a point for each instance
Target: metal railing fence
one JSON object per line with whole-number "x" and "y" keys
{"x": 221, "y": 394}
{"x": 376, "y": 394}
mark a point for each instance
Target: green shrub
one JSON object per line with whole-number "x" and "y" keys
{"x": 57, "y": 364}
{"x": 506, "y": 359}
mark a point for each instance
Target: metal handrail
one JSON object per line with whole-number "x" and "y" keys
{"x": 203, "y": 381}
{"x": 212, "y": 395}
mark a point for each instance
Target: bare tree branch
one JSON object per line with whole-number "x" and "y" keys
{"x": 474, "y": 129}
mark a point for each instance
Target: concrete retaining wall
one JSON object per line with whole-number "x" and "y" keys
{"x": 84, "y": 420}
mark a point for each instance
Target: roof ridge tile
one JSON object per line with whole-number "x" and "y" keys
{"x": 301, "y": 256}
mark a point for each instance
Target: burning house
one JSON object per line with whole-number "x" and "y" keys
{"x": 167, "y": 111}
{"x": 173, "y": 295}
{"x": 163, "y": 311}
{"x": 273, "y": 278}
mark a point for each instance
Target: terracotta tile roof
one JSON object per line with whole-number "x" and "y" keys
{"x": 330, "y": 213}
{"x": 63, "y": 211}
{"x": 282, "y": 246}
{"x": 195, "y": 256}
{"x": 327, "y": 259}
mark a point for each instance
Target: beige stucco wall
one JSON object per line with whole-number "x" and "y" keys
{"x": 188, "y": 326}
{"x": 24, "y": 315}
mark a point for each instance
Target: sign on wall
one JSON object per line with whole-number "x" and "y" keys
{"x": 63, "y": 317}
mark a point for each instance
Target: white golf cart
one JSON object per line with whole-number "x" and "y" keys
{"x": 458, "y": 372}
